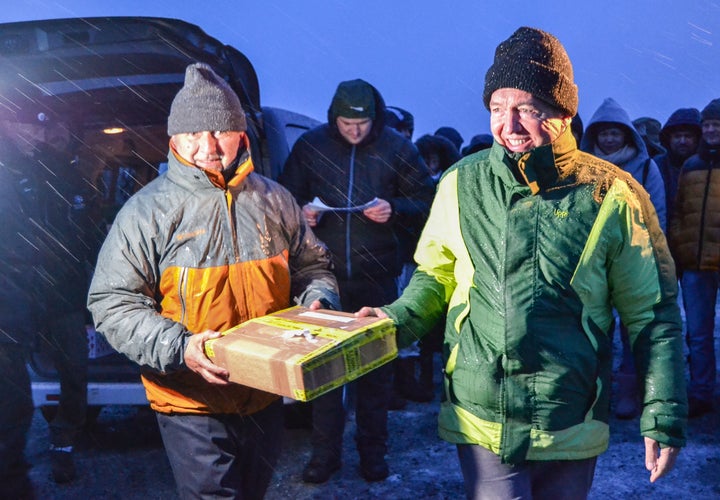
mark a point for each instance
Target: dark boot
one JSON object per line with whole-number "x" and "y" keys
{"x": 62, "y": 464}
{"x": 321, "y": 466}
{"x": 373, "y": 467}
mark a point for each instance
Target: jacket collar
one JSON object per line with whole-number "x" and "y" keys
{"x": 180, "y": 170}
{"x": 707, "y": 152}
{"x": 543, "y": 167}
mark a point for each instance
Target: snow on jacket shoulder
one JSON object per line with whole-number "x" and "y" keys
{"x": 184, "y": 256}
{"x": 529, "y": 277}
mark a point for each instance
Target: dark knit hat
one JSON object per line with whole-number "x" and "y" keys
{"x": 688, "y": 118}
{"x": 206, "y": 102}
{"x": 398, "y": 118}
{"x": 452, "y": 134}
{"x": 536, "y": 62}
{"x": 478, "y": 143}
{"x": 354, "y": 99}
{"x": 711, "y": 111}
{"x": 441, "y": 146}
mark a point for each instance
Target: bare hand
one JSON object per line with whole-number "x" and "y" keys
{"x": 371, "y": 311}
{"x": 311, "y": 216}
{"x": 315, "y": 305}
{"x": 380, "y": 212}
{"x": 197, "y": 361}
{"x": 659, "y": 466}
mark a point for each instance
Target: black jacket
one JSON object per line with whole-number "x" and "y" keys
{"x": 21, "y": 265}
{"x": 385, "y": 165}
{"x": 68, "y": 230}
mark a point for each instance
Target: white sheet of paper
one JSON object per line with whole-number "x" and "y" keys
{"x": 320, "y": 206}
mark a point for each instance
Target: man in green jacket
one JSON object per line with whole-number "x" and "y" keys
{"x": 528, "y": 247}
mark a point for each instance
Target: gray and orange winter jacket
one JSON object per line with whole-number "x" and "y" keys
{"x": 188, "y": 253}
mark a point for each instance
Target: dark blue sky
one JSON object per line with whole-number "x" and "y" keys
{"x": 430, "y": 57}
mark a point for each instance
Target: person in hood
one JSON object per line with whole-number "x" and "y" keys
{"x": 610, "y": 135}
{"x": 401, "y": 120}
{"x": 680, "y": 136}
{"x": 649, "y": 129}
{"x": 438, "y": 152}
{"x": 528, "y": 246}
{"x": 693, "y": 236}
{"x": 374, "y": 181}
{"x": 452, "y": 134}
{"x": 204, "y": 247}
{"x": 478, "y": 143}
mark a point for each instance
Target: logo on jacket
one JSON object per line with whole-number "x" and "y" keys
{"x": 193, "y": 234}
{"x": 561, "y": 214}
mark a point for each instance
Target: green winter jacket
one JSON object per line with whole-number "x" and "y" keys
{"x": 528, "y": 254}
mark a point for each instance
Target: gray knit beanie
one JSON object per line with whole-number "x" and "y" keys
{"x": 711, "y": 111}
{"x": 206, "y": 102}
{"x": 536, "y": 62}
{"x": 353, "y": 99}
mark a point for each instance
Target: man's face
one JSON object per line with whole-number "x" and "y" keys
{"x": 521, "y": 122}
{"x": 406, "y": 132}
{"x": 208, "y": 150}
{"x": 682, "y": 142}
{"x": 354, "y": 130}
{"x": 610, "y": 139}
{"x": 432, "y": 160}
{"x": 711, "y": 132}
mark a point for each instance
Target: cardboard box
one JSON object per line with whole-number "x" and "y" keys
{"x": 301, "y": 353}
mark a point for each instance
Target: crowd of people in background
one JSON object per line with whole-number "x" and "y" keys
{"x": 420, "y": 255}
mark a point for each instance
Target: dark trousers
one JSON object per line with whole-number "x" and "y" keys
{"x": 67, "y": 344}
{"x": 487, "y": 478}
{"x": 223, "y": 456}
{"x": 15, "y": 419}
{"x": 372, "y": 396}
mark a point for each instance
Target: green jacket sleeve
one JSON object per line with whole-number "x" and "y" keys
{"x": 441, "y": 257}
{"x": 643, "y": 287}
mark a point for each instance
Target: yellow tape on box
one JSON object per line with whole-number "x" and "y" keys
{"x": 301, "y": 353}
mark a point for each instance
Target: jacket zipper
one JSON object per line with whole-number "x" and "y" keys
{"x": 231, "y": 221}
{"x": 182, "y": 290}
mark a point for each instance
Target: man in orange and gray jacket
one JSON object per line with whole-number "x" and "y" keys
{"x": 203, "y": 247}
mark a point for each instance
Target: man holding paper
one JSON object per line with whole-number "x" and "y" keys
{"x": 357, "y": 180}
